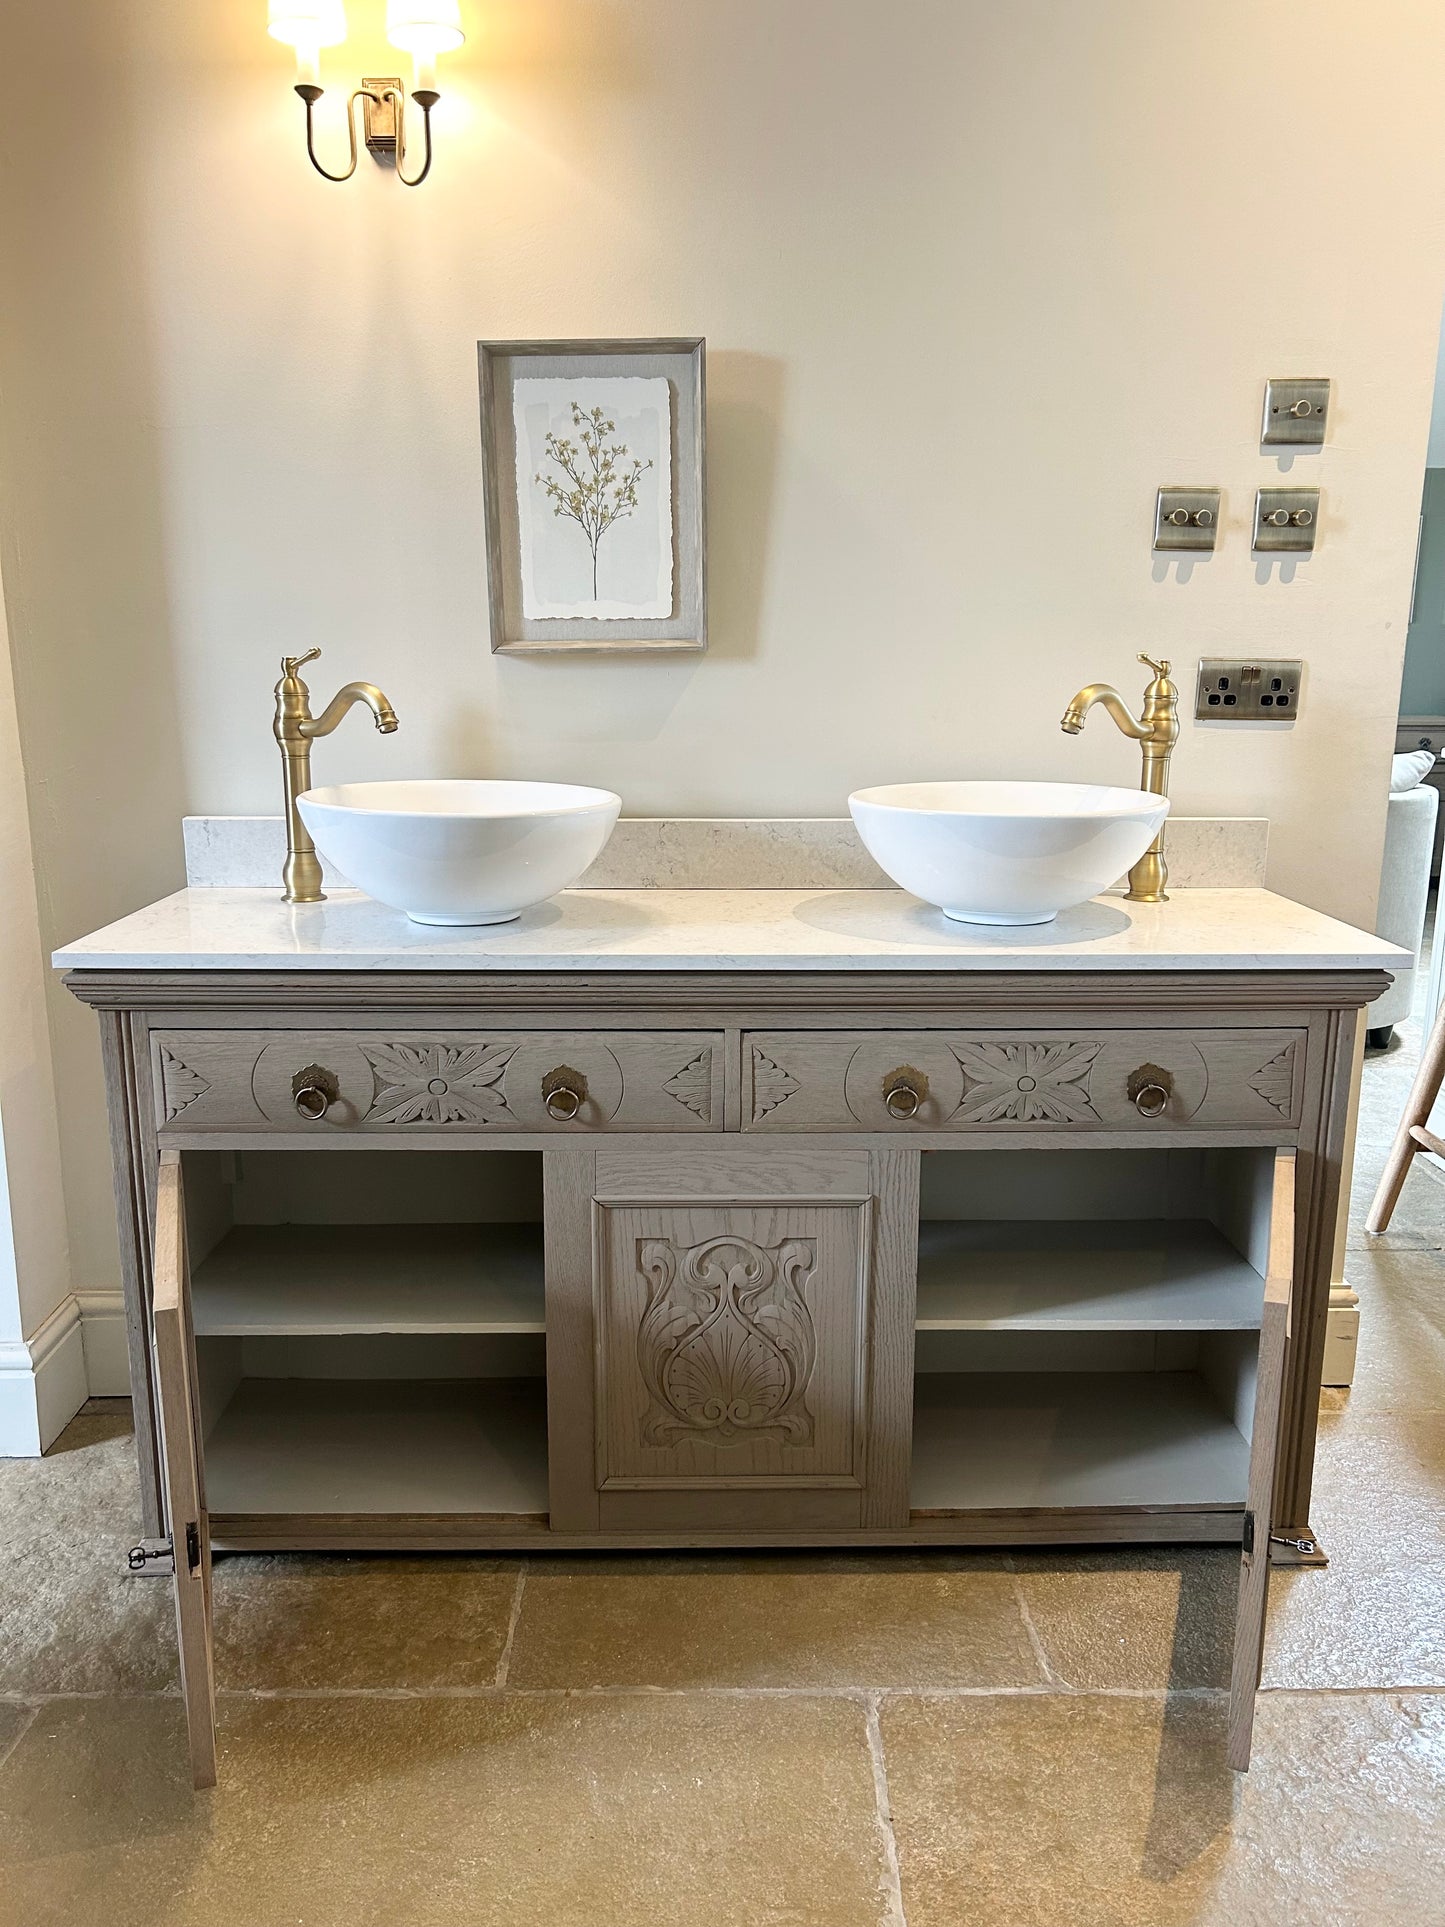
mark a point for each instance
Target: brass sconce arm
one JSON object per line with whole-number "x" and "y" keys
{"x": 311, "y": 95}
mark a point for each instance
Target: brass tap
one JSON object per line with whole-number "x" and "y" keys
{"x": 1157, "y": 731}
{"x": 296, "y": 729}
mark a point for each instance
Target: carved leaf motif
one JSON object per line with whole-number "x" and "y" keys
{"x": 437, "y": 1083}
{"x": 1275, "y": 1080}
{"x": 1031, "y": 1082}
{"x": 692, "y": 1086}
{"x": 772, "y": 1085}
{"x": 180, "y": 1085}
{"x": 726, "y": 1345}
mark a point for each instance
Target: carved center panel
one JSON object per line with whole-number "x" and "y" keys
{"x": 726, "y": 1346}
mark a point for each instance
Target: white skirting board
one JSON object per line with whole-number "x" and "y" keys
{"x": 107, "y": 1349}
{"x": 42, "y": 1383}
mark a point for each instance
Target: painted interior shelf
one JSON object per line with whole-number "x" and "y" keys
{"x": 1020, "y": 1439}
{"x": 1083, "y": 1275}
{"x": 274, "y": 1280}
{"x": 380, "y": 1446}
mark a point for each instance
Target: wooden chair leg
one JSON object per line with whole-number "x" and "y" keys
{"x": 1409, "y": 1138}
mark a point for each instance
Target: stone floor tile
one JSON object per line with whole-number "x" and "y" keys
{"x": 1382, "y": 1627}
{"x": 363, "y": 1624}
{"x": 772, "y": 1628}
{"x": 1379, "y": 1489}
{"x": 74, "y": 1619}
{"x": 599, "y": 1811}
{"x": 1134, "y": 1618}
{"x": 1400, "y": 1366}
{"x": 1097, "y": 1812}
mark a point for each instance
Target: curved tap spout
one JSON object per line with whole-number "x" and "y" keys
{"x": 1106, "y": 694}
{"x": 354, "y": 692}
{"x": 1157, "y": 731}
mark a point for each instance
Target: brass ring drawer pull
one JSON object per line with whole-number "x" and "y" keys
{"x": 1149, "y": 1090}
{"x": 904, "y": 1091}
{"x": 564, "y": 1092}
{"x": 313, "y": 1092}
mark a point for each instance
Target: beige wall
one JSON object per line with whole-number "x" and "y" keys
{"x": 975, "y": 279}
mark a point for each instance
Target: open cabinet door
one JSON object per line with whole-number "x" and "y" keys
{"x": 175, "y": 1358}
{"x": 1263, "y": 1449}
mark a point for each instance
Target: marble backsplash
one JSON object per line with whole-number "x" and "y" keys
{"x": 730, "y": 853}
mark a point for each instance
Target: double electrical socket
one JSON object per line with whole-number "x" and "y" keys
{"x": 1254, "y": 691}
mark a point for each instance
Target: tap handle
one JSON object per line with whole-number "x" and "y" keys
{"x": 1160, "y": 668}
{"x": 290, "y": 664}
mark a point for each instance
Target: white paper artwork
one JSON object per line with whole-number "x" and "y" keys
{"x": 594, "y": 496}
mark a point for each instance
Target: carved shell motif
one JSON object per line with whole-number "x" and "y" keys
{"x": 692, "y": 1086}
{"x": 1275, "y": 1081}
{"x": 1044, "y": 1082}
{"x": 726, "y": 1345}
{"x": 437, "y": 1083}
{"x": 772, "y": 1085}
{"x": 180, "y": 1085}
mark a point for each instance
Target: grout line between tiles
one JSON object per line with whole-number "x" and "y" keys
{"x": 861, "y": 1694}
{"x": 33, "y": 1714}
{"x": 893, "y": 1914}
{"x": 1040, "y": 1655}
{"x": 505, "y": 1660}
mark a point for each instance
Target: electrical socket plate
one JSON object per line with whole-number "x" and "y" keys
{"x": 1237, "y": 691}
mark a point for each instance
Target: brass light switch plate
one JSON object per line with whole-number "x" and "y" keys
{"x": 1295, "y": 412}
{"x": 1186, "y": 518}
{"x": 379, "y": 116}
{"x": 1285, "y": 520}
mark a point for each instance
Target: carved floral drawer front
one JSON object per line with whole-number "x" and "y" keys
{"x": 731, "y": 1345}
{"x": 342, "y": 1082}
{"x": 1022, "y": 1081}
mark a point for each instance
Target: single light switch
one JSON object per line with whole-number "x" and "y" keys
{"x": 1186, "y": 518}
{"x": 1295, "y": 412}
{"x": 1285, "y": 520}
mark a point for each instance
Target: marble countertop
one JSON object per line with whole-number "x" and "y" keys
{"x": 605, "y": 930}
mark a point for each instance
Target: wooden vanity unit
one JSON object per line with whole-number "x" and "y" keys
{"x": 692, "y": 1219}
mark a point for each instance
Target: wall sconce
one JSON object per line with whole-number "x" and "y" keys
{"x": 423, "y": 28}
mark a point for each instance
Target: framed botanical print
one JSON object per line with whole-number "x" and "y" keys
{"x": 593, "y": 474}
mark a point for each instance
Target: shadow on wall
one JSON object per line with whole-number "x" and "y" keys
{"x": 82, "y": 535}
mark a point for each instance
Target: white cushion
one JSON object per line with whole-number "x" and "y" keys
{"x": 1410, "y": 770}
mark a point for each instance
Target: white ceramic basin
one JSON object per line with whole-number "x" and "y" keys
{"x": 460, "y": 852}
{"x": 1006, "y": 852}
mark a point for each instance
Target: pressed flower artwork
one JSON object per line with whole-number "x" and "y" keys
{"x": 594, "y": 496}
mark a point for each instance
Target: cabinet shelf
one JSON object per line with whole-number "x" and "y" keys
{"x": 292, "y": 1280}
{"x": 348, "y": 1446}
{"x": 1020, "y": 1439}
{"x": 981, "y": 1274}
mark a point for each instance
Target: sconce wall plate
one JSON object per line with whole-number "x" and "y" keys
{"x": 378, "y": 113}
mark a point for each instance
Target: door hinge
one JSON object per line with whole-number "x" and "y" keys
{"x": 155, "y": 1557}
{"x": 193, "y": 1546}
{"x": 1247, "y": 1536}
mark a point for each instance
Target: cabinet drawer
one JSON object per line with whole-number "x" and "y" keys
{"x": 334, "y": 1083}
{"x": 1021, "y": 1081}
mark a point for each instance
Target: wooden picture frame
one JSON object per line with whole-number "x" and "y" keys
{"x": 678, "y": 360}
